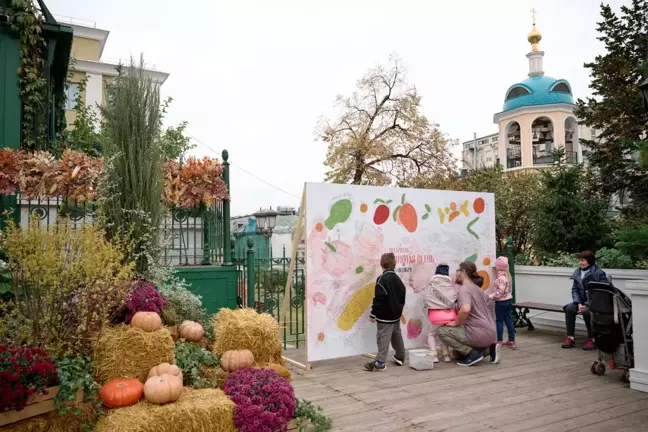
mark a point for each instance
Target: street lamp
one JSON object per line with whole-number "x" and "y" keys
{"x": 266, "y": 221}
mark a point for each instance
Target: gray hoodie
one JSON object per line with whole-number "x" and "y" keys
{"x": 440, "y": 294}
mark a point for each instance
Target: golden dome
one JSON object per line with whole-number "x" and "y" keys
{"x": 534, "y": 37}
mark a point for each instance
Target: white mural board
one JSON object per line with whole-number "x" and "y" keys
{"x": 349, "y": 227}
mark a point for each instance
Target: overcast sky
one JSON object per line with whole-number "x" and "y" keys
{"x": 254, "y": 76}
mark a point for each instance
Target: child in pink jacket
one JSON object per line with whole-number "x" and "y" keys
{"x": 441, "y": 303}
{"x": 503, "y": 298}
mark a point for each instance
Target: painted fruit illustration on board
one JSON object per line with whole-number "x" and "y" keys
{"x": 382, "y": 212}
{"x": 414, "y": 328}
{"x": 339, "y": 213}
{"x": 337, "y": 258}
{"x": 405, "y": 215}
{"x": 368, "y": 241}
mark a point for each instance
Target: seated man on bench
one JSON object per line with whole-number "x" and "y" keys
{"x": 587, "y": 272}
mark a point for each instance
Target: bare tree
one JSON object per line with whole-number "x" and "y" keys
{"x": 381, "y": 137}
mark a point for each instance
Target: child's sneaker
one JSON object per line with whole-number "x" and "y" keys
{"x": 589, "y": 345}
{"x": 446, "y": 358}
{"x": 510, "y": 344}
{"x": 569, "y": 342}
{"x": 494, "y": 352}
{"x": 374, "y": 366}
{"x": 398, "y": 361}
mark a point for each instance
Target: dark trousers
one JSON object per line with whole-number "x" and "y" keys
{"x": 503, "y": 316}
{"x": 571, "y": 310}
{"x": 389, "y": 333}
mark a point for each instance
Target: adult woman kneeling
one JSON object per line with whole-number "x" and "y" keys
{"x": 474, "y": 329}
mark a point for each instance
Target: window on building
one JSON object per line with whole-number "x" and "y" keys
{"x": 495, "y": 139}
{"x": 561, "y": 87}
{"x": 72, "y": 93}
{"x": 593, "y": 134}
{"x": 517, "y": 91}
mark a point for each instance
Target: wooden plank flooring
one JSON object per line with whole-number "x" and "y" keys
{"x": 540, "y": 387}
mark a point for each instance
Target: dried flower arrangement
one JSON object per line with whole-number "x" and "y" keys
{"x": 38, "y": 174}
{"x": 196, "y": 182}
{"x": 9, "y": 170}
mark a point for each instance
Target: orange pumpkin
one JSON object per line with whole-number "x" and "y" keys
{"x": 233, "y": 360}
{"x": 163, "y": 389}
{"x": 147, "y": 321}
{"x": 121, "y": 392}
{"x": 191, "y": 331}
{"x": 165, "y": 369}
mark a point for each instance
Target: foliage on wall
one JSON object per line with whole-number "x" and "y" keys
{"x": 28, "y": 23}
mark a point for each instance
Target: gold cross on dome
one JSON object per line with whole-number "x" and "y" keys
{"x": 533, "y": 13}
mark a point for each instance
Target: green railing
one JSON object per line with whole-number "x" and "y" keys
{"x": 262, "y": 283}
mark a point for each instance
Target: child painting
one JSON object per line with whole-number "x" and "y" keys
{"x": 502, "y": 295}
{"x": 386, "y": 312}
{"x": 441, "y": 303}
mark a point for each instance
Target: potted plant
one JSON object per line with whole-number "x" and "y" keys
{"x": 27, "y": 379}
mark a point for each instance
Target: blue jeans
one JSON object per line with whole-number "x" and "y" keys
{"x": 503, "y": 314}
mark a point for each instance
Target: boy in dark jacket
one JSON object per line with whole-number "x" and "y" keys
{"x": 586, "y": 272}
{"x": 386, "y": 311}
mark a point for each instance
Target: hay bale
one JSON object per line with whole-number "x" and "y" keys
{"x": 195, "y": 411}
{"x": 247, "y": 329}
{"x": 281, "y": 370}
{"x": 52, "y": 422}
{"x": 129, "y": 352}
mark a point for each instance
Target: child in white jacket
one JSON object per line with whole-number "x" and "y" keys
{"x": 441, "y": 303}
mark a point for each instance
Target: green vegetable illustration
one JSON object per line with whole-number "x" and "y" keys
{"x": 359, "y": 269}
{"x": 472, "y": 258}
{"x": 339, "y": 213}
{"x": 469, "y": 228}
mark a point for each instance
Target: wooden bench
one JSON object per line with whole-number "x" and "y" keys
{"x": 521, "y": 310}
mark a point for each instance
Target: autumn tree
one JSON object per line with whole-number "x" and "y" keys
{"x": 516, "y": 198}
{"x": 380, "y": 137}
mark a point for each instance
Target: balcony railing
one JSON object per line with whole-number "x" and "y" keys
{"x": 570, "y": 157}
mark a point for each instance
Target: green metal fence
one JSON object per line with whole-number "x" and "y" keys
{"x": 194, "y": 236}
{"x": 262, "y": 283}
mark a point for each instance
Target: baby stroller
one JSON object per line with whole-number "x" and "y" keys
{"x": 611, "y": 315}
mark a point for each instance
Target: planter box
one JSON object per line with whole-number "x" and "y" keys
{"x": 36, "y": 405}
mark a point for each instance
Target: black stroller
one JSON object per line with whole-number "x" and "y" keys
{"x": 611, "y": 312}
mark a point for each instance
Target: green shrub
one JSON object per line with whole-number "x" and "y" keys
{"x": 613, "y": 259}
{"x": 559, "y": 259}
{"x": 634, "y": 242}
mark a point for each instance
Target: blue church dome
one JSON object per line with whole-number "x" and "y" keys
{"x": 538, "y": 90}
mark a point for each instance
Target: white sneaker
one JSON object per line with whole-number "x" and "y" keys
{"x": 446, "y": 358}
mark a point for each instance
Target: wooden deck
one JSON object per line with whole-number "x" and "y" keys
{"x": 539, "y": 387}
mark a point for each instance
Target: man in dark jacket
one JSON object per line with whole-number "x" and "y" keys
{"x": 587, "y": 272}
{"x": 386, "y": 311}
